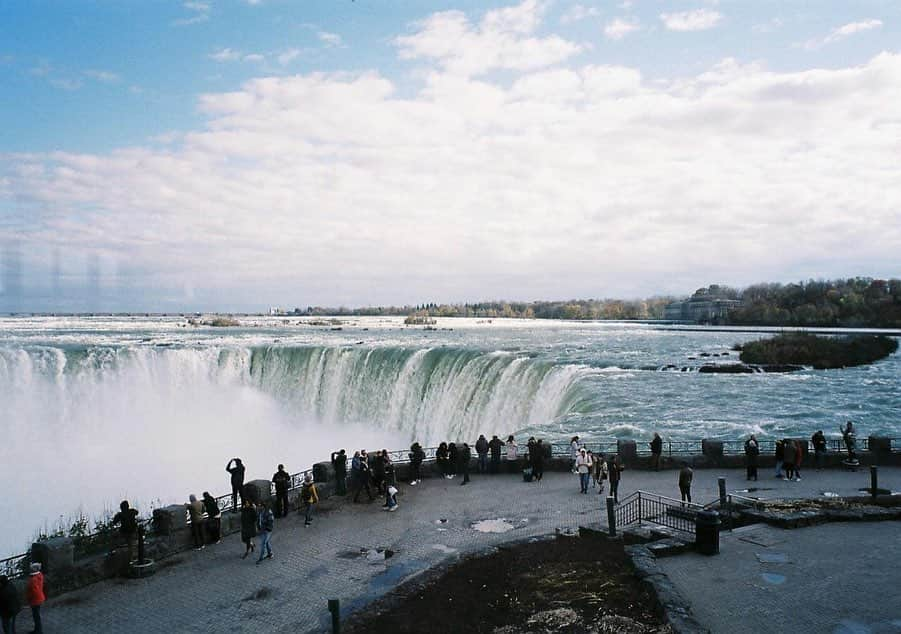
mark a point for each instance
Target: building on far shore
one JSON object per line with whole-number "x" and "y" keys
{"x": 706, "y": 306}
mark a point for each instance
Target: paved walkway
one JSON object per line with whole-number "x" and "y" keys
{"x": 216, "y": 591}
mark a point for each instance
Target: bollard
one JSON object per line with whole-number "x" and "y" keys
{"x": 707, "y": 532}
{"x": 334, "y": 606}
{"x": 141, "y": 558}
{"x": 721, "y": 481}
{"x": 874, "y": 488}
{"x": 611, "y": 516}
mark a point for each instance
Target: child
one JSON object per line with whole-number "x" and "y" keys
{"x": 391, "y": 498}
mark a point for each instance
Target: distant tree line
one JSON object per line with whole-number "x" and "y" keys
{"x": 853, "y": 302}
{"x": 571, "y": 309}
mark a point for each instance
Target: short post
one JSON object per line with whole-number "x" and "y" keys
{"x": 874, "y": 480}
{"x": 611, "y": 517}
{"x": 334, "y": 606}
{"x": 721, "y": 481}
{"x": 141, "y": 558}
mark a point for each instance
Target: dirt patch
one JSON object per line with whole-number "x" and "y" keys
{"x": 565, "y": 585}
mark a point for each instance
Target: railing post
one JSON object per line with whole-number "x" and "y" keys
{"x": 721, "y": 481}
{"x": 334, "y": 606}
{"x": 640, "y": 509}
{"x": 874, "y": 480}
{"x": 611, "y": 517}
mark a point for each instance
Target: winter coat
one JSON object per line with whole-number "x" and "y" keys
{"x": 308, "y": 494}
{"x": 237, "y": 473}
{"x": 481, "y": 445}
{"x": 267, "y": 521}
{"x": 583, "y": 464}
{"x": 613, "y": 471}
{"x": 657, "y": 445}
{"x": 788, "y": 453}
{"x": 752, "y": 450}
{"x": 248, "y": 523}
{"x": 195, "y": 510}
{"x": 10, "y": 604}
{"x": 464, "y": 456}
{"x": 281, "y": 479}
{"x": 685, "y": 477}
{"x": 495, "y": 447}
{"x": 34, "y": 589}
{"x": 211, "y": 507}
{"x": 512, "y": 450}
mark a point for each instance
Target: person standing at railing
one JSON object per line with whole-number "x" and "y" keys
{"x": 452, "y": 459}
{"x": 266, "y": 524}
{"x": 10, "y": 604}
{"x": 417, "y": 455}
{"x": 308, "y": 497}
{"x": 583, "y": 468}
{"x": 34, "y": 594}
{"x": 127, "y": 519}
{"x": 195, "y": 511}
{"x": 237, "y": 481}
{"x": 282, "y": 481}
{"x": 788, "y": 458}
{"x": 614, "y": 472}
{"x": 799, "y": 457}
{"x": 818, "y": 440}
{"x": 573, "y": 453}
{"x": 248, "y": 527}
{"x": 779, "y": 453}
{"x": 656, "y": 450}
{"x": 752, "y": 450}
{"x": 441, "y": 460}
{"x": 512, "y": 454}
{"x": 600, "y": 472}
{"x": 378, "y": 471}
{"x": 685, "y": 477}
{"x": 339, "y": 462}
{"x": 213, "y": 518}
{"x": 465, "y": 455}
{"x": 482, "y": 451}
{"x": 538, "y": 461}
{"x": 495, "y": 447}
{"x": 359, "y": 471}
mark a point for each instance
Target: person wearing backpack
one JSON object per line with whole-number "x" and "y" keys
{"x": 308, "y": 497}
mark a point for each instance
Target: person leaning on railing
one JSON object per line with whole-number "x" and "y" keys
{"x": 127, "y": 519}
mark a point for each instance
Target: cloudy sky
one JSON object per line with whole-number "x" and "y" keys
{"x": 237, "y": 154}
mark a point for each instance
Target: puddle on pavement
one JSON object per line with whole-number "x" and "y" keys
{"x": 393, "y": 574}
{"x": 772, "y": 558}
{"x": 773, "y": 578}
{"x": 370, "y": 554}
{"x": 499, "y": 525}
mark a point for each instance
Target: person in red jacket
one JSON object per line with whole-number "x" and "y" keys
{"x": 34, "y": 593}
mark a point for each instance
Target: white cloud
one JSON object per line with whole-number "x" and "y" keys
{"x": 579, "y": 12}
{"x": 697, "y": 20}
{"x": 503, "y": 39}
{"x": 330, "y": 39}
{"x": 65, "y": 83}
{"x": 200, "y": 12}
{"x": 842, "y": 32}
{"x": 549, "y": 182}
{"x": 288, "y": 56}
{"x": 104, "y": 76}
{"x": 619, "y": 28}
{"x": 225, "y": 55}
{"x": 254, "y": 57}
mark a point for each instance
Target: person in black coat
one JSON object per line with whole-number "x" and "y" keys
{"x": 656, "y": 449}
{"x": 378, "y": 471}
{"x": 495, "y": 447}
{"x": 538, "y": 461}
{"x": 249, "y": 518}
{"x": 752, "y": 450}
{"x": 452, "y": 459}
{"x": 417, "y": 455}
{"x": 10, "y": 604}
{"x": 237, "y": 480}
{"x": 464, "y": 456}
{"x": 282, "y": 481}
{"x": 339, "y": 462}
{"x": 127, "y": 519}
{"x": 214, "y": 517}
{"x": 441, "y": 459}
{"x": 482, "y": 451}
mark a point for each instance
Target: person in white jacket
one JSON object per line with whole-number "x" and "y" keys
{"x": 583, "y": 467}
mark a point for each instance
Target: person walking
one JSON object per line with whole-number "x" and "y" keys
{"x": 10, "y": 605}
{"x": 583, "y": 468}
{"x": 779, "y": 454}
{"x": 799, "y": 458}
{"x": 359, "y": 470}
{"x": 465, "y": 455}
{"x": 482, "y": 451}
{"x": 195, "y": 511}
{"x": 685, "y": 478}
{"x": 308, "y": 497}
{"x": 266, "y": 524}
{"x": 614, "y": 473}
{"x": 441, "y": 460}
{"x": 818, "y": 440}
{"x": 282, "y": 481}
{"x": 573, "y": 453}
{"x": 538, "y": 461}
{"x": 416, "y": 455}
{"x": 656, "y": 449}
{"x": 391, "y": 498}
{"x": 752, "y": 450}
{"x": 495, "y": 447}
{"x": 248, "y": 527}
{"x": 34, "y": 594}
{"x": 127, "y": 519}
{"x": 788, "y": 459}
{"x": 339, "y": 463}
{"x": 600, "y": 472}
{"x": 236, "y": 469}
{"x": 213, "y": 518}
{"x": 512, "y": 454}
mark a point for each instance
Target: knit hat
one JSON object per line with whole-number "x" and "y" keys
{"x": 35, "y": 568}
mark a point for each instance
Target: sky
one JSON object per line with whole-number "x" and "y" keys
{"x": 233, "y": 155}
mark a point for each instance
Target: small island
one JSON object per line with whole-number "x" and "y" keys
{"x": 803, "y": 348}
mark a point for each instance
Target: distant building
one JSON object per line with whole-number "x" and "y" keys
{"x": 275, "y": 310}
{"x": 702, "y": 307}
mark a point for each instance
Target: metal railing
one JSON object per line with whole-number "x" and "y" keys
{"x": 642, "y": 506}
